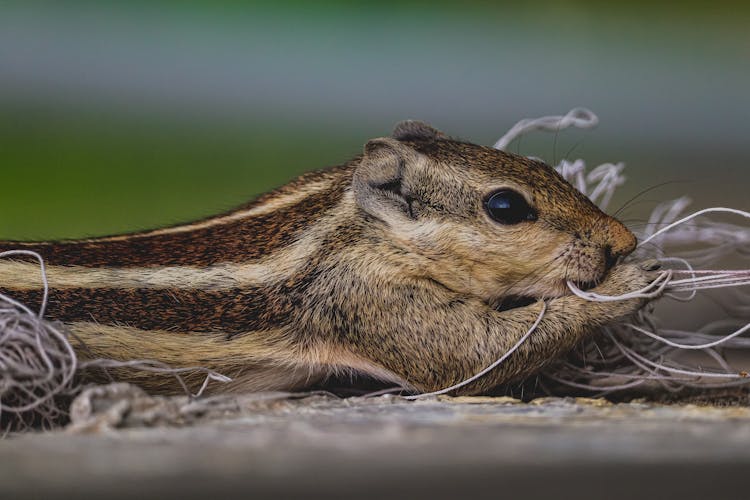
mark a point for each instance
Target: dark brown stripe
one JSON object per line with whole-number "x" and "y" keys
{"x": 236, "y": 241}
{"x": 228, "y": 311}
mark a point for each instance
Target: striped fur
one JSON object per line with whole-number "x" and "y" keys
{"x": 251, "y": 232}
{"x": 199, "y": 294}
{"x": 386, "y": 265}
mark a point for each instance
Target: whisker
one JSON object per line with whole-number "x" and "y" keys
{"x": 647, "y": 190}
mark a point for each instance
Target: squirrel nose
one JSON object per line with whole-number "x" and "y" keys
{"x": 621, "y": 241}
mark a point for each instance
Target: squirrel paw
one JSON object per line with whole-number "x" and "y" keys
{"x": 627, "y": 278}
{"x": 623, "y": 279}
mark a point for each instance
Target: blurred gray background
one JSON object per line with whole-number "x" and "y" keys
{"x": 119, "y": 116}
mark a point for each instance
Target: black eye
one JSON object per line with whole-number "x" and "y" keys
{"x": 509, "y": 207}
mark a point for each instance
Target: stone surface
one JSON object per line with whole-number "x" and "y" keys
{"x": 322, "y": 446}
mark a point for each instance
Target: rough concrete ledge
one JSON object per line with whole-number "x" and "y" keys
{"x": 322, "y": 446}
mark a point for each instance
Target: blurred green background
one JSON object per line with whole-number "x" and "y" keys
{"x": 118, "y": 116}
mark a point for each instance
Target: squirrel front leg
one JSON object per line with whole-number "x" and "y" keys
{"x": 434, "y": 339}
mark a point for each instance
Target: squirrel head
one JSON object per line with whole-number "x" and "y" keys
{"x": 482, "y": 221}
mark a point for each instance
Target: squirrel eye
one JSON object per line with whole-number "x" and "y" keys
{"x": 509, "y": 207}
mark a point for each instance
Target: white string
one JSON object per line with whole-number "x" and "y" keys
{"x": 650, "y": 291}
{"x": 692, "y": 216}
{"x": 707, "y": 345}
{"x": 42, "y": 270}
{"x": 689, "y": 270}
{"x": 577, "y": 117}
{"x": 702, "y": 243}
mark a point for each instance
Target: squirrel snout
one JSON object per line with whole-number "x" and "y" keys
{"x": 613, "y": 238}
{"x": 621, "y": 241}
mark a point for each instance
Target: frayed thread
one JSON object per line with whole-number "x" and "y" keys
{"x": 615, "y": 360}
{"x": 38, "y": 364}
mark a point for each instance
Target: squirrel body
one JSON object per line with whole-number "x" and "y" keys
{"x": 390, "y": 265}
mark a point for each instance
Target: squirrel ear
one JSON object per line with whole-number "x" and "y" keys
{"x": 378, "y": 181}
{"x": 414, "y": 130}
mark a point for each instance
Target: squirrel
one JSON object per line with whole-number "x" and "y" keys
{"x": 419, "y": 262}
